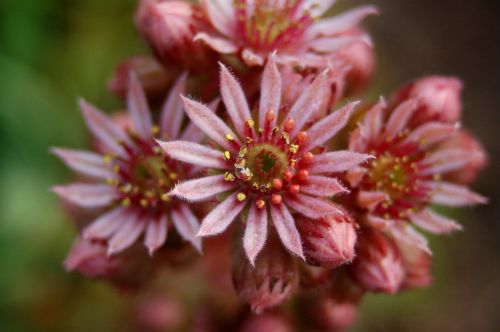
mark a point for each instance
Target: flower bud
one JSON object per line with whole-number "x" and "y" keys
{"x": 360, "y": 58}
{"x": 272, "y": 280}
{"x": 275, "y": 322}
{"x": 378, "y": 266}
{"x": 153, "y": 77}
{"x": 158, "y": 313}
{"x": 331, "y": 315}
{"x": 313, "y": 276}
{"x": 329, "y": 241}
{"x": 169, "y": 27}
{"x": 439, "y": 98}
{"x": 417, "y": 264}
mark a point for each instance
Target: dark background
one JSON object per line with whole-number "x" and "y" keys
{"x": 52, "y": 51}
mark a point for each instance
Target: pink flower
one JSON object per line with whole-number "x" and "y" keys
{"x": 266, "y": 166}
{"x": 395, "y": 190}
{"x": 169, "y": 27}
{"x": 132, "y": 180}
{"x": 293, "y": 28}
{"x": 328, "y": 241}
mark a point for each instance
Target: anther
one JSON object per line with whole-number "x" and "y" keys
{"x": 227, "y": 155}
{"x": 294, "y": 148}
{"x": 229, "y": 138}
{"x": 241, "y": 197}
{"x": 173, "y": 176}
{"x": 250, "y": 123}
{"x": 276, "y": 199}
{"x": 155, "y": 130}
{"x": 229, "y": 177}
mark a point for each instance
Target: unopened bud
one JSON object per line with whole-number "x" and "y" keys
{"x": 275, "y": 322}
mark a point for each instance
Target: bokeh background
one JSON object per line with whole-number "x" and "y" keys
{"x": 54, "y": 50}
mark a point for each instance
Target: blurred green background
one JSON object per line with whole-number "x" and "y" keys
{"x": 52, "y": 51}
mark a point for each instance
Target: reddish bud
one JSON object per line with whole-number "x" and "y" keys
{"x": 275, "y": 322}
{"x": 271, "y": 282}
{"x": 378, "y": 266}
{"x": 331, "y": 315}
{"x": 417, "y": 264}
{"x": 329, "y": 241}
{"x": 361, "y": 59}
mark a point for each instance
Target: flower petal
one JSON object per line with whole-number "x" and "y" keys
{"x": 340, "y": 23}
{"x": 287, "y": 230}
{"x": 221, "y": 216}
{"x": 270, "y": 92}
{"x": 105, "y": 225}
{"x": 318, "y": 7}
{"x": 192, "y": 133}
{"x": 372, "y": 123}
{"x": 435, "y": 223}
{"x": 104, "y": 129}
{"x": 234, "y": 99}
{"x": 194, "y": 153}
{"x": 202, "y": 188}
{"x": 87, "y": 195}
{"x": 400, "y": 117}
{"x": 172, "y": 113}
{"x": 127, "y": 234}
{"x": 430, "y": 133}
{"x": 156, "y": 234}
{"x": 443, "y": 161}
{"x": 333, "y": 44}
{"x": 187, "y": 225}
{"x": 255, "y": 232}
{"x": 220, "y": 45}
{"x": 312, "y": 207}
{"x": 322, "y": 186}
{"x": 205, "y": 119}
{"x": 406, "y": 233}
{"x": 309, "y": 102}
{"x": 219, "y": 15}
{"x": 84, "y": 162}
{"x": 371, "y": 199}
{"x": 450, "y": 194}
{"x": 138, "y": 107}
{"x": 337, "y": 161}
{"x": 328, "y": 127}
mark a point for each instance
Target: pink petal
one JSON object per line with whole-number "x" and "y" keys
{"x": 251, "y": 58}
{"x": 371, "y": 199}
{"x": 87, "y": 195}
{"x": 219, "y": 44}
{"x": 205, "y": 119}
{"x": 328, "y": 127}
{"x": 407, "y": 234}
{"x": 318, "y": 7}
{"x": 172, "y": 113}
{"x": 234, "y": 99}
{"x": 287, "y": 231}
{"x": 221, "y": 216}
{"x": 187, "y": 225}
{"x": 104, "y": 129}
{"x": 192, "y": 133}
{"x": 340, "y": 23}
{"x": 255, "y": 232}
{"x": 156, "y": 234}
{"x": 220, "y": 15}
{"x": 337, "y": 161}
{"x": 372, "y": 123}
{"x": 194, "y": 153}
{"x": 435, "y": 223}
{"x": 312, "y": 207}
{"x": 202, "y": 188}
{"x": 379, "y": 223}
{"x": 400, "y": 117}
{"x": 450, "y": 194}
{"x": 84, "y": 162}
{"x": 127, "y": 234}
{"x": 333, "y": 44}
{"x": 430, "y": 133}
{"x": 444, "y": 161}
{"x": 105, "y": 225}
{"x": 323, "y": 186}
{"x": 309, "y": 102}
{"x": 270, "y": 92}
{"x": 138, "y": 108}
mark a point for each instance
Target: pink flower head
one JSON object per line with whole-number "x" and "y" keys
{"x": 293, "y": 28}
{"x": 396, "y": 189}
{"x": 439, "y": 98}
{"x": 132, "y": 180}
{"x": 169, "y": 27}
{"x": 328, "y": 241}
{"x": 268, "y": 166}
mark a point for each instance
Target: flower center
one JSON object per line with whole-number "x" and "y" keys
{"x": 145, "y": 177}
{"x": 270, "y": 25}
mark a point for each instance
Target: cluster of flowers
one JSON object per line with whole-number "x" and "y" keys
{"x": 325, "y": 194}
